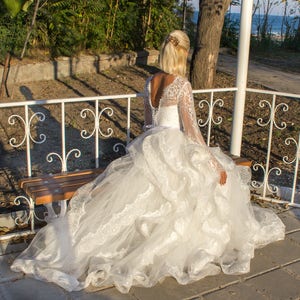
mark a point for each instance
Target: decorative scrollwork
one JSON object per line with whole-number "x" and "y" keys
{"x": 50, "y": 155}
{"x": 84, "y": 134}
{"x": 255, "y": 183}
{"x": 109, "y": 130}
{"x": 273, "y": 111}
{"x": 117, "y": 147}
{"x": 285, "y": 108}
{"x": 201, "y": 123}
{"x": 220, "y": 103}
{"x": 273, "y": 188}
{"x": 211, "y": 107}
{"x": 63, "y": 160}
{"x": 265, "y": 184}
{"x": 12, "y": 121}
{"x": 22, "y": 220}
{"x": 262, "y": 104}
{"x": 76, "y": 152}
{"x": 288, "y": 141}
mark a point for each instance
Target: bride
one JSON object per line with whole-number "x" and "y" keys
{"x": 171, "y": 207}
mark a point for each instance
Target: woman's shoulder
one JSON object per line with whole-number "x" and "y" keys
{"x": 166, "y": 77}
{"x": 159, "y": 76}
{"x": 184, "y": 80}
{"x": 163, "y": 80}
{"x": 183, "y": 83}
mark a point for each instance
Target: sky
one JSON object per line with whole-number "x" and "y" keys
{"x": 276, "y": 10}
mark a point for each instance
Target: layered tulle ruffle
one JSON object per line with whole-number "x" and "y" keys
{"x": 158, "y": 211}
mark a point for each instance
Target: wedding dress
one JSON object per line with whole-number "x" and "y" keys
{"x": 158, "y": 211}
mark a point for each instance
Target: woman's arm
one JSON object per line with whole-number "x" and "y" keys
{"x": 191, "y": 128}
{"x": 147, "y": 107}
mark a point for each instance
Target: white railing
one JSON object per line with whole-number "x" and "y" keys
{"x": 273, "y": 103}
{"x": 27, "y": 121}
{"x": 212, "y": 102}
{"x": 32, "y": 120}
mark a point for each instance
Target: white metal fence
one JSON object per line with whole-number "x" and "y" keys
{"x": 71, "y": 131}
{"x": 276, "y": 105}
{"x": 27, "y": 115}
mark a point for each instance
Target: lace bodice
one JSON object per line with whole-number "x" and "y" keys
{"x": 175, "y": 109}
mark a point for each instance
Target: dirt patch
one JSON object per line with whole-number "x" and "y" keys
{"x": 131, "y": 80}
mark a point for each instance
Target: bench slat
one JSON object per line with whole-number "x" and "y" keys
{"x": 32, "y": 190}
{"x": 40, "y": 185}
{"x": 59, "y": 176}
{"x": 47, "y": 196}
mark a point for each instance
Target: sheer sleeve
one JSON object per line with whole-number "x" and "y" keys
{"x": 148, "y": 123}
{"x": 189, "y": 121}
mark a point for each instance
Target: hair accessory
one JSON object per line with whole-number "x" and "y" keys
{"x": 173, "y": 40}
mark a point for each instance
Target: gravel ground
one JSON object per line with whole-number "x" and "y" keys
{"x": 131, "y": 80}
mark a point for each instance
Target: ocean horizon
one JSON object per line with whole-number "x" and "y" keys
{"x": 274, "y": 22}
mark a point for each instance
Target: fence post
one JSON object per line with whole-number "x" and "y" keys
{"x": 241, "y": 76}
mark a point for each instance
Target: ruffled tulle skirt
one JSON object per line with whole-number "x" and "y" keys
{"x": 158, "y": 211}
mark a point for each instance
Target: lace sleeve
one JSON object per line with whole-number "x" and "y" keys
{"x": 147, "y": 108}
{"x": 189, "y": 121}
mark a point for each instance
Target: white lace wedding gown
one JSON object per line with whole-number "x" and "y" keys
{"x": 158, "y": 211}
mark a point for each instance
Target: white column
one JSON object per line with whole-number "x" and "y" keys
{"x": 241, "y": 76}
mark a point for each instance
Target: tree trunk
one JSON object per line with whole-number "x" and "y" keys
{"x": 114, "y": 20}
{"x": 4, "y": 76}
{"x": 284, "y": 21}
{"x": 206, "y": 50}
{"x": 36, "y": 8}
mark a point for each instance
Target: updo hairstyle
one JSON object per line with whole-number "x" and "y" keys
{"x": 174, "y": 52}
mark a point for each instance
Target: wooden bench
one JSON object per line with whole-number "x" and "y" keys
{"x": 48, "y": 189}
{"x": 51, "y": 188}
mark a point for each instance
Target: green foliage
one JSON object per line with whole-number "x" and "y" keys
{"x": 59, "y": 25}
{"x": 13, "y": 7}
{"x": 264, "y": 40}
{"x": 190, "y": 26}
{"x": 68, "y": 27}
{"x": 268, "y": 43}
{"x": 230, "y": 33}
{"x": 265, "y": 43}
{"x": 292, "y": 37}
{"x": 12, "y": 32}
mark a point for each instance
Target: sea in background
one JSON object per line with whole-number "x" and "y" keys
{"x": 274, "y": 22}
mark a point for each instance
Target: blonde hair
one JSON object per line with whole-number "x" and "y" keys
{"x": 173, "y": 53}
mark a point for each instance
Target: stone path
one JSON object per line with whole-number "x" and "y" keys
{"x": 274, "y": 275}
{"x": 269, "y": 77}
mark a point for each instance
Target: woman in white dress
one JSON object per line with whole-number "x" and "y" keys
{"x": 171, "y": 207}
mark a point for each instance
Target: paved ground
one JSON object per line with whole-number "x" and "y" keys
{"x": 275, "y": 270}
{"x": 269, "y": 77}
{"x": 275, "y": 274}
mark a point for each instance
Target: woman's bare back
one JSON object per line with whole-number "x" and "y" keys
{"x": 158, "y": 84}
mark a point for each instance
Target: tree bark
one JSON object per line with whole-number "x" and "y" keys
{"x": 4, "y": 76}
{"x": 36, "y": 8}
{"x": 207, "y": 45}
